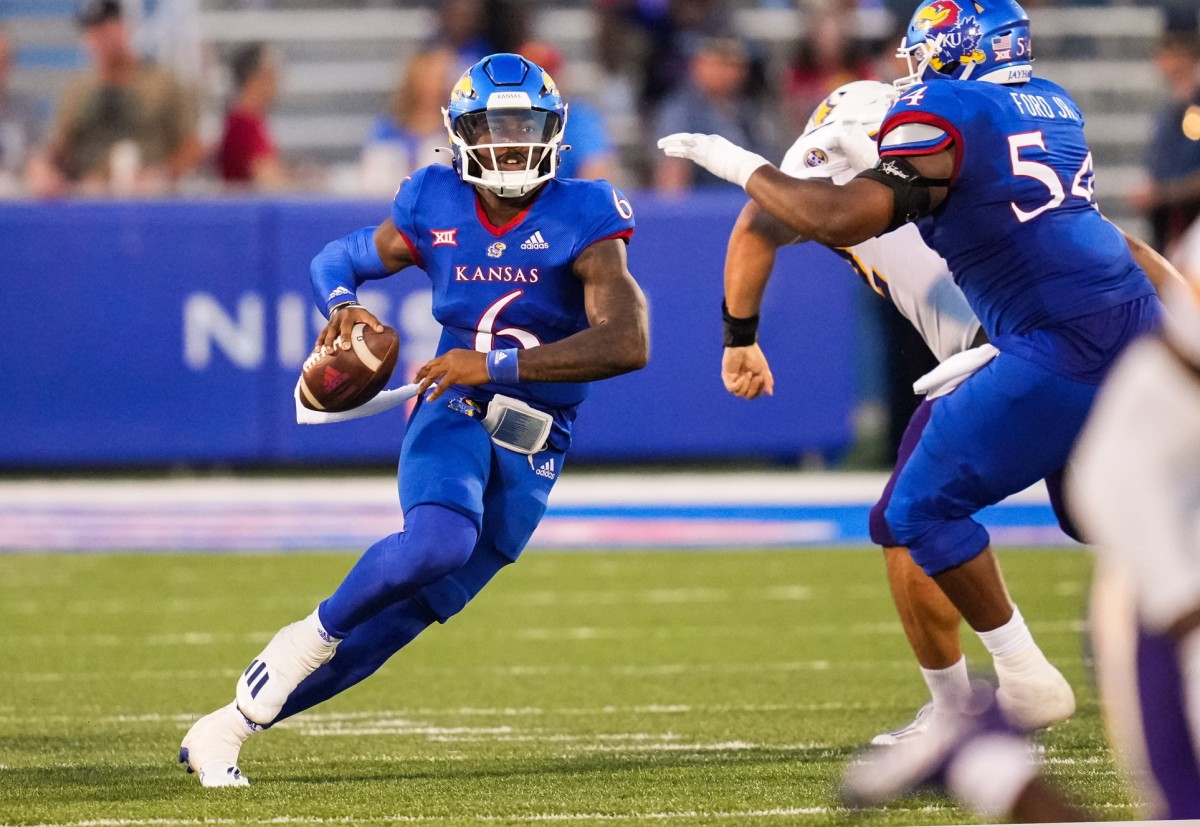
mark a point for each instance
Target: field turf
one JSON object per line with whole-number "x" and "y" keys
{"x": 582, "y": 688}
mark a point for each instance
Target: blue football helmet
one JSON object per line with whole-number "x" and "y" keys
{"x": 967, "y": 40}
{"x": 506, "y": 122}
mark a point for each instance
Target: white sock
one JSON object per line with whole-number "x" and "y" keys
{"x": 1010, "y": 639}
{"x": 949, "y": 686}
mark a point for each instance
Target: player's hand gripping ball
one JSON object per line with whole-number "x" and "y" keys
{"x": 337, "y": 379}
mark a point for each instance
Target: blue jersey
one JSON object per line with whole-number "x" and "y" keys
{"x": 511, "y": 286}
{"x": 1019, "y": 228}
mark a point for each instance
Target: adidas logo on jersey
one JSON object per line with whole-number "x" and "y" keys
{"x": 546, "y": 469}
{"x": 535, "y": 242}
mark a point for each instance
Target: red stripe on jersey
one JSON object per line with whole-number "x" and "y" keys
{"x": 412, "y": 248}
{"x": 492, "y": 228}
{"x": 953, "y": 137}
{"x": 624, "y": 235}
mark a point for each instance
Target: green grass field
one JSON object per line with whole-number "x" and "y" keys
{"x": 648, "y": 687}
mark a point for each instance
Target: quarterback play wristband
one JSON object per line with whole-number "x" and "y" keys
{"x": 502, "y": 366}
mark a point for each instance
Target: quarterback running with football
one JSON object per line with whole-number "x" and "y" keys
{"x": 837, "y": 144}
{"x": 535, "y": 300}
{"x": 991, "y": 165}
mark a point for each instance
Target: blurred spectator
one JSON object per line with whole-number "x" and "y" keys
{"x": 826, "y": 57}
{"x": 508, "y": 23}
{"x": 612, "y": 89}
{"x": 20, "y": 124}
{"x": 1171, "y": 196}
{"x": 123, "y": 126}
{"x": 461, "y": 27}
{"x": 407, "y": 137}
{"x": 591, "y": 153}
{"x": 672, "y": 30}
{"x": 247, "y": 154}
{"x": 712, "y": 101}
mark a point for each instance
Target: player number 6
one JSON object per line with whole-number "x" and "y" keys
{"x": 485, "y": 336}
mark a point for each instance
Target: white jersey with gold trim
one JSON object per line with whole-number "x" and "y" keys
{"x": 898, "y": 265}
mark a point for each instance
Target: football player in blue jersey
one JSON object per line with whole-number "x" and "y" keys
{"x": 1134, "y": 479}
{"x": 991, "y": 164}
{"x": 531, "y": 287}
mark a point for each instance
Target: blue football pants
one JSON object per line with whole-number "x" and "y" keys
{"x": 456, "y": 488}
{"x": 1008, "y": 426}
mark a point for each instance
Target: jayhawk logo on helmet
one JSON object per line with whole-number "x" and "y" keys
{"x": 463, "y": 89}
{"x": 943, "y": 41}
{"x": 937, "y": 15}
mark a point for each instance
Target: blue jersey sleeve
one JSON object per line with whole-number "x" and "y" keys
{"x": 605, "y": 213}
{"x": 926, "y": 119}
{"x": 404, "y": 210}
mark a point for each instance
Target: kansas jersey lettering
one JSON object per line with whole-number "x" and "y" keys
{"x": 1019, "y": 229}
{"x": 511, "y": 286}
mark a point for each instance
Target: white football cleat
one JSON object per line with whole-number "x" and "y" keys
{"x": 1032, "y": 693}
{"x": 916, "y": 726}
{"x": 881, "y": 774}
{"x": 210, "y": 748}
{"x": 292, "y": 655}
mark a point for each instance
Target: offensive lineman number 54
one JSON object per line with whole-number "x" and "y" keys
{"x": 1082, "y": 184}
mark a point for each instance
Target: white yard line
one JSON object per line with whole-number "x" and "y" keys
{"x": 766, "y": 487}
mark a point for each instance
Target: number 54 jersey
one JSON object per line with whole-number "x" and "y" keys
{"x": 1019, "y": 228}
{"x": 511, "y": 286}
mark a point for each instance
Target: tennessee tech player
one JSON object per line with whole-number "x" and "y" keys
{"x": 1135, "y": 487}
{"x": 992, "y": 165}
{"x": 531, "y": 288}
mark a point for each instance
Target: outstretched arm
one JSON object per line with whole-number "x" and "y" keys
{"x": 833, "y": 215}
{"x": 616, "y": 341}
{"x": 836, "y": 216}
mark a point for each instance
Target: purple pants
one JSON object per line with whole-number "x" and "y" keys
{"x": 1169, "y": 746}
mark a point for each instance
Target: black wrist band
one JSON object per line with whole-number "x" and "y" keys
{"x": 739, "y": 332}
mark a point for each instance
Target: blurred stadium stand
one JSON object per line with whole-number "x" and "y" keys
{"x": 343, "y": 57}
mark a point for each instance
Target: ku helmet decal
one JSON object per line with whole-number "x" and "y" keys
{"x": 506, "y": 121}
{"x": 967, "y": 40}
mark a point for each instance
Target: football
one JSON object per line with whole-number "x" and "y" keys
{"x": 338, "y": 380}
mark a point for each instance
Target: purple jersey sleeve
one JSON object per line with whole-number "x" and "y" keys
{"x": 605, "y": 213}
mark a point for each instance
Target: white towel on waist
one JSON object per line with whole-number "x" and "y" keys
{"x": 950, "y": 374}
